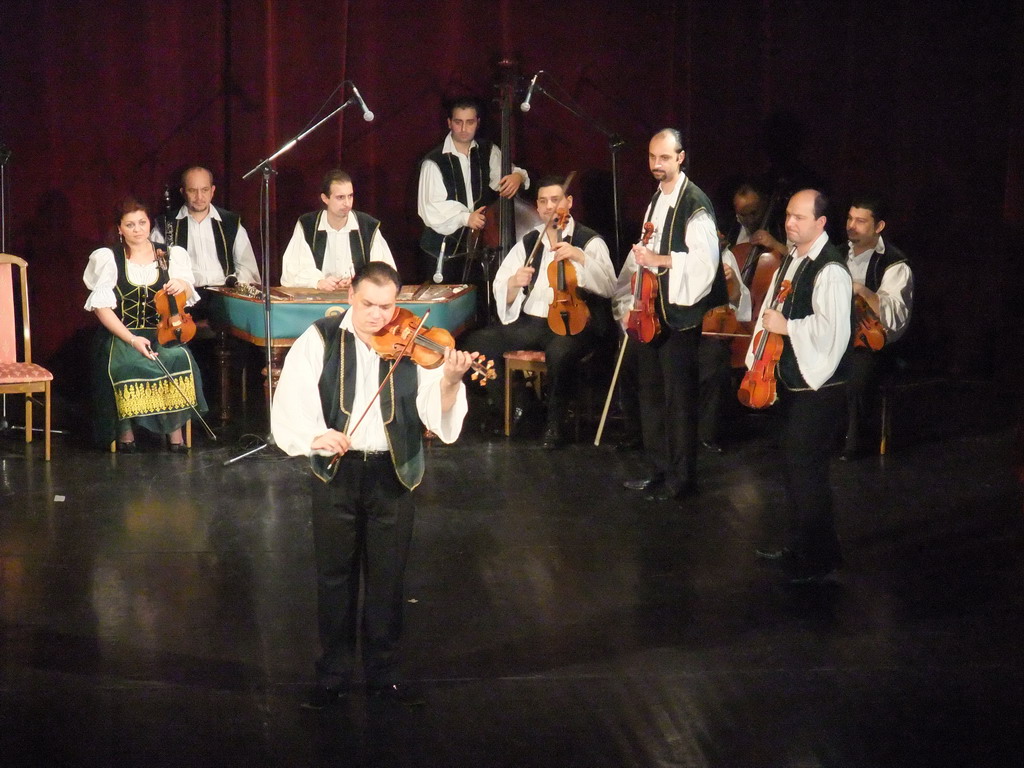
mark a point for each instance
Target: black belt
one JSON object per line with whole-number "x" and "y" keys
{"x": 360, "y": 455}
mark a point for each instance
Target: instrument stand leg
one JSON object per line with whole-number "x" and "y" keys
{"x": 265, "y": 243}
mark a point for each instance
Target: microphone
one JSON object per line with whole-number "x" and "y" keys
{"x": 367, "y": 114}
{"x": 525, "y": 106}
{"x": 438, "y": 275}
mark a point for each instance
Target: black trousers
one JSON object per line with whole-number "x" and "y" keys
{"x": 715, "y": 356}
{"x": 669, "y": 390}
{"x": 362, "y": 526}
{"x": 562, "y": 353}
{"x": 867, "y": 371}
{"x": 812, "y": 419}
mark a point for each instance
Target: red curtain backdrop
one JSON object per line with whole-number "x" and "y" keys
{"x": 913, "y": 99}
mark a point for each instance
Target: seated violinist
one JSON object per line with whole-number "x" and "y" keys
{"x": 523, "y": 296}
{"x": 130, "y": 387}
{"x": 329, "y": 245}
{"x": 883, "y": 280}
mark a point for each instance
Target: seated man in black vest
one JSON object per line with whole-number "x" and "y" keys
{"x": 523, "y": 294}
{"x": 883, "y": 279}
{"x": 367, "y": 457}
{"x": 683, "y": 252}
{"x": 218, "y": 245}
{"x": 330, "y": 245}
{"x": 458, "y": 180}
{"x": 815, "y": 325}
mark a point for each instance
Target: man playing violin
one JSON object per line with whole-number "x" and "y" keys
{"x": 815, "y": 326}
{"x": 458, "y": 180}
{"x": 684, "y": 255}
{"x": 523, "y": 295}
{"x": 881, "y": 277}
{"x": 328, "y": 246}
{"x": 362, "y": 502}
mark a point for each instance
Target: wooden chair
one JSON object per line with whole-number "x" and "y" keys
{"x": 533, "y": 364}
{"x": 20, "y": 376}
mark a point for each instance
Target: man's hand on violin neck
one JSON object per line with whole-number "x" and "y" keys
{"x": 456, "y": 363}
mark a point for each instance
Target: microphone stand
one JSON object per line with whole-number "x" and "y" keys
{"x": 615, "y": 143}
{"x": 266, "y": 170}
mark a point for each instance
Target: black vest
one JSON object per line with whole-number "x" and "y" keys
{"x": 454, "y": 184}
{"x": 798, "y": 305}
{"x": 880, "y": 262}
{"x": 135, "y": 304}
{"x": 360, "y": 239}
{"x": 690, "y": 202}
{"x": 224, "y": 233}
{"x": 397, "y": 403}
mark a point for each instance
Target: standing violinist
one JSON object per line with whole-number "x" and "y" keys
{"x": 815, "y": 326}
{"x": 684, "y": 255}
{"x": 362, "y": 505}
{"x": 882, "y": 277}
{"x": 523, "y": 295}
{"x": 329, "y": 245}
{"x": 129, "y": 387}
{"x": 458, "y": 180}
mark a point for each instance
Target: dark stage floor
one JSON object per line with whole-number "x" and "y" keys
{"x": 159, "y": 611}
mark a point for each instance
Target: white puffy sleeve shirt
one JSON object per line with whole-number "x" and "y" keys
{"x": 296, "y": 415}
{"x": 820, "y": 339}
{"x": 101, "y": 276}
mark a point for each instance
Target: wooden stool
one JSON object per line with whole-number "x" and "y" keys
{"x": 529, "y": 362}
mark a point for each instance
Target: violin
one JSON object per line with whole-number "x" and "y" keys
{"x": 642, "y": 322}
{"x": 568, "y": 314}
{"x": 757, "y": 390}
{"x": 176, "y": 326}
{"x": 868, "y": 333}
{"x": 427, "y": 351}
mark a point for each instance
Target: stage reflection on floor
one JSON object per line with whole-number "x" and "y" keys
{"x": 159, "y": 610}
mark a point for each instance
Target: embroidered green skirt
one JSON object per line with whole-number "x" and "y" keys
{"x": 131, "y": 390}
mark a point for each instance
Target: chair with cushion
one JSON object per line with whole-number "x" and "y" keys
{"x": 20, "y": 376}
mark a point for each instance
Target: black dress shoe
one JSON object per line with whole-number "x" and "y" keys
{"x": 853, "y": 454}
{"x": 629, "y": 444}
{"x": 821, "y": 576}
{"x": 398, "y": 693}
{"x": 322, "y": 697}
{"x": 179, "y": 448}
{"x": 664, "y": 493}
{"x": 785, "y": 553}
{"x": 127, "y": 447}
{"x": 711, "y": 446}
{"x": 552, "y": 438}
{"x": 643, "y": 483}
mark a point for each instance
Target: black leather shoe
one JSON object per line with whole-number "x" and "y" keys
{"x": 553, "y": 438}
{"x": 322, "y": 697}
{"x": 853, "y": 454}
{"x": 398, "y": 693}
{"x": 127, "y": 447}
{"x": 179, "y": 448}
{"x": 811, "y": 577}
{"x": 711, "y": 446}
{"x": 785, "y": 553}
{"x": 664, "y": 493}
{"x": 642, "y": 483}
{"x": 629, "y": 444}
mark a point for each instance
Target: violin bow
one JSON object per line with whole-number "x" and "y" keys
{"x": 385, "y": 380}
{"x": 181, "y": 392}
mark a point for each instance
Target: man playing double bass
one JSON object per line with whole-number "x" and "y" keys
{"x": 523, "y": 295}
{"x": 684, "y": 254}
{"x": 458, "y": 180}
{"x": 815, "y": 326}
{"x": 883, "y": 279}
